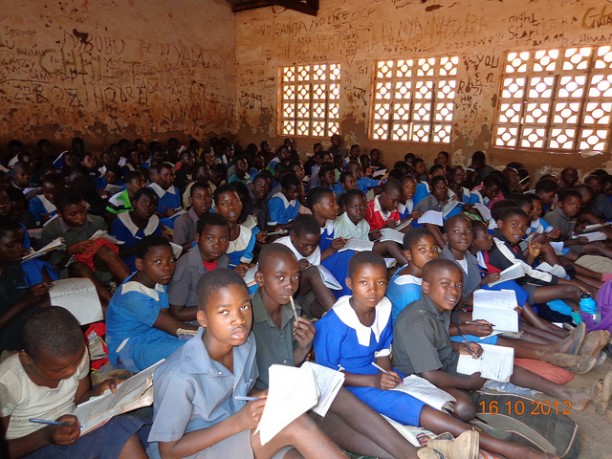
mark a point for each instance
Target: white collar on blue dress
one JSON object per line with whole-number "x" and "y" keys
{"x": 348, "y": 316}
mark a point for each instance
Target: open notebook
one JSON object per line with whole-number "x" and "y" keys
{"x": 78, "y": 295}
{"x": 426, "y": 392}
{"x": 497, "y": 307}
{"x": 496, "y": 363}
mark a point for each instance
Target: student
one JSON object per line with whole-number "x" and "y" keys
{"x": 283, "y": 339}
{"x": 422, "y": 346}
{"x": 242, "y": 239}
{"x": 130, "y": 227}
{"x": 569, "y": 178}
{"x": 423, "y": 187}
{"x": 405, "y": 206}
{"x": 212, "y": 241}
{"x": 347, "y": 182}
{"x": 97, "y": 260}
{"x": 491, "y": 186}
{"x": 283, "y": 206}
{"x": 546, "y": 189}
{"x": 357, "y": 332}
{"x": 41, "y": 207}
{"x": 45, "y": 380}
{"x": 122, "y": 201}
{"x": 457, "y": 183}
{"x": 382, "y": 210}
{"x": 601, "y": 205}
{"x": 22, "y": 175}
{"x": 352, "y": 223}
{"x": 196, "y": 413}
{"x": 18, "y": 299}
{"x": 139, "y": 327}
{"x": 169, "y": 195}
{"x": 200, "y": 198}
{"x": 327, "y": 176}
{"x": 405, "y": 285}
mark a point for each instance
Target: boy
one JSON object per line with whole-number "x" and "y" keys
{"x": 17, "y": 301}
{"x": 45, "y": 380}
{"x": 97, "y": 260}
{"x": 491, "y": 186}
{"x": 200, "y": 198}
{"x": 212, "y": 239}
{"x": 283, "y": 206}
{"x": 41, "y": 207}
{"x": 122, "y": 201}
{"x": 422, "y": 344}
{"x": 169, "y": 195}
{"x": 196, "y": 411}
{"x": 327, "y": 176}
{"x": 139, "y": 327}
{"x": 22, "y": 175}
{"x": 382, "y": 210}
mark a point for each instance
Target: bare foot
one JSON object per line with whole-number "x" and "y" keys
{"x": 580, "y": 398}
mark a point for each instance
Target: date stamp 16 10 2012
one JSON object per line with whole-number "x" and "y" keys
{"x": 529, "y": 407}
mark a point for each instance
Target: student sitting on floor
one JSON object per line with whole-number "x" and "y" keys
{"x": 196, "y": 411}
{"x": 41, "y": 207}
{"x": 357, "y": 332}
{"x": 283, "y": 206}
{"x": 122, "y": 202}
{"x": 422, "y": 345}
{"x": 45, "y": 380}
{"x": 130, "y": 227}
{"x": 382, "y": 210}
{"x": 200, "y": 198}
{"x": 169, "y": 195}
{"x": 282, "y": 338}
{"x": 139, "y": 327}
{"x": 97, "y": 260}
{"x": 212, "y": 241}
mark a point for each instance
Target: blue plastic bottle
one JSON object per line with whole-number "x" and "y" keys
{"x": 589, "y": 306}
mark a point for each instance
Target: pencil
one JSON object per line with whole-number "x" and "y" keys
{"x": 50, "y": 423}
{"x": 466, "y": 342}
{"x": 295, "y": 314}
{"x": 242, "y": 398}
{"x": 378, "y": 367}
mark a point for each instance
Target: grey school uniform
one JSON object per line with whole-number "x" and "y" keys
{"x": 559, "y": 219}
{"x": 193, "y": 391}
{"x": 185, "y": 228}
{"x": 189, "y": 269}
{"x": 274, "y": 345}
{"x": 421, "y": 341}
{"x": 471, "y": 279}
{"x": 429, "y": 202}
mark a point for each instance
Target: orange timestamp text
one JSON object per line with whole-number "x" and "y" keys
{"x": 530, "y": 407}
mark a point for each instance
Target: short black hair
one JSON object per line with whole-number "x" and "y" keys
{"x": 67, "y": 197}
{"x": 52, "y": 332}
{"x": 533, "y": 197}
{"x": 305, "y": 224}
{"x": 413, "y": 236}
{"x": 289, "y": 180}
{"x": 546, "y": 185}
{"x": 161, "y": 166}
{"x": 211, "y": 219}
{"x": 199, "y": 185}
{"x": 148, "y": 242}
{"x": 325, "y": 168}
{"x": 54, "y": 179}
{"x": 570, "y": 192}
{"x": 132, "y": 175}
{"x": 436, "y": 265}
{"x": 225, "y": 188}
{"x": 453, "y": 219}
{"x": 146, "y": 192}
{"x": 213, "y": 281}
{"x": 317, "y": 194}
{"x": 491, "y": 180}
{"x": 365, "y": 258}
{"x": 272, "y": 251}
{"x": 513, "y": 211}
{"x": 391, "y": 185}
{"x": 498, "y": 208}
{"x": 346, "y": 197}
{"x": 436, "y": 167}
{"x": 478, "y": 225}
{"x": 521, "y": 199}
{"x": 438, "y": 178}
{"x": 9, "y": 226}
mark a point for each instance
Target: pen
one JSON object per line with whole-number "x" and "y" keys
{"x": 476, "y": 323}
{"x": 50, "y": 423}
{"x": 295, "y": 314}
{"x": 466, "y": 341}
{"x": 378, "y": 367}
{"x": 242, "y": 398}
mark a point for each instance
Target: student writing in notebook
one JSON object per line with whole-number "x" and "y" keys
{"x": 44, "y": 381}
{"x": 422, "y": 344}
{"x": 197, "y": 413}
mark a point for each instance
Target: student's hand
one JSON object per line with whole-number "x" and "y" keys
{"x": 170, "y": 212}
{"x": 303, "y": 264}
{"x": 480, "y": 328}
{"x": 476, "y": 381}
{"x": 261, "y": 237}
{"x": 65, "y": 435}
{"x": 386, "y": 381}
{"x": 241, "y": 269}
{"x": 391, "y": 224}
{"x": 81, "y": 247}
{"x": 491, "y": 277}
{"x": 338, "y": 243}
{"x": 416, "y": 214}
{"x": 534, "y": 249}
{"x": 582, "y": 240}
{"x": 249, "y": 415}
{"x": 110, "y": 384}
{"x": 39, "y": 291}
{"x": 472, "y": 349}
{"x": 375, "y": 234}
{"x": 539, "y": 238}
{"x": 304, "y": 332}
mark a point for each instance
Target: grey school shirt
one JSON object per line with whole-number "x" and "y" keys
{"x": 189, "y": 269}
{"x": 420, "y": 339}
{"x": 471, "y": 279}
{"x": 274, "y": 345}
{"x": 559, "y": 219}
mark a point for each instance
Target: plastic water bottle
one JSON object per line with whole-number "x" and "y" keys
{"x": 589, "y": 306}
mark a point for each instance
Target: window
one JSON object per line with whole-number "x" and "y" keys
{"x": 556, "y": 100}
{"x": 414, "y": 99}
{"x": 310, "y": 100}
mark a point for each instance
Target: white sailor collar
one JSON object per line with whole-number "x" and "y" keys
{"x": 348, "y": 316}
{"x": 283, "y": 198}
{"x": 152, "y": 224}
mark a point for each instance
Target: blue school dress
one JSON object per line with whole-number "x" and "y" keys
{"x": 133, "y": 342}
{"x": 365, "y": 184}
{"x": 421, "y": 192}
{"x": 280, "y": 210}
{"x": 41, "y": 206}
{"x": 124, "y": 229}
{"x": 336, "y": 263}
{"x": 241, "y": 249}
{"x": 168, "y": 199}
{"x": 342, "y": 341}
{"x": 403, "y": 290}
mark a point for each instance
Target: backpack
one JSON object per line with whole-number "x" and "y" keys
{"x": 604, "y": 304}
{"x": 534, "y": 423}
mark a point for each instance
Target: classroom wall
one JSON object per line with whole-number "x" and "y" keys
{"x": 354, "y": 33}
{"x": 106, "y": 69}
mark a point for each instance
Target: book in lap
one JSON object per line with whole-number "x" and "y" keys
{"x": 426, "y": 392}
{"x": 134, "y": 393}
{"x": 496, "y": 363}
{"x": 497, "y": 307}
{"x": 78, "y": 295}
